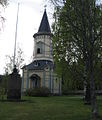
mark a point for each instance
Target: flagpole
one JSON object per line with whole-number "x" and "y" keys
{"x": 14, "y": 64}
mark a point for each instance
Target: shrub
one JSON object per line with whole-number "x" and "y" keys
{"x": 2, "y": 93}
{"x": 42, "y": 91}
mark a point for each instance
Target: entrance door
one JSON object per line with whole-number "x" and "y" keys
{"x": 35, "y": 81}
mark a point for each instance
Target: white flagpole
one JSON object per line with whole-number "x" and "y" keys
{"x": 15, "y": 37}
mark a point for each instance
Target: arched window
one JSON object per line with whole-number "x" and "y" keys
{"x": 40, "y": 47}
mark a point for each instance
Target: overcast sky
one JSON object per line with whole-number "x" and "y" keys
{"x": 30, "y": 15}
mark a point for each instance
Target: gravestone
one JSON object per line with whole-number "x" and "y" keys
{"x": 14, "y": 86}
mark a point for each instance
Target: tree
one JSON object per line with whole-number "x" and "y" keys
{"x": 3, "y": 3}
{"x": 3, "y": 85}
{"x": 78, "y": 31}
{"x": 18, "y": 61}
{"x": 71, "y": 74}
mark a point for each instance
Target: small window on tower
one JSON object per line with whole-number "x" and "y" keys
{"x": 38, "y": 51}
{"x": 40, "y": 47}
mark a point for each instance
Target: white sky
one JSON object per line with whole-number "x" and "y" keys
{"x": 30, "y": 15}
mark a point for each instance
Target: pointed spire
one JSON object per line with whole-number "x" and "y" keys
{"x": 44, "y": 25}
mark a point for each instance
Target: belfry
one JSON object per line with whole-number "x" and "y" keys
{"x": 40, "y": 72}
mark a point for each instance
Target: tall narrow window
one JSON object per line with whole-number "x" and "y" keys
{"x": 40, "y": 48}
{"x": 38, "y": 51}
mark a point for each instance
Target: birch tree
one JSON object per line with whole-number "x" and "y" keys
{"x": 78, "y": 27}
{"x": 18, "y": 61}
{"x": 3, "y": 4}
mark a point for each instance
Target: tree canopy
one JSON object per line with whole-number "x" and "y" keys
{"x": 78, "y": 36}
{"x": 18, "y": 61}
{"x": 3, "y": 2}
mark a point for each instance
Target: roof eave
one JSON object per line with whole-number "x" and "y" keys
{"x": 42, "y": 33}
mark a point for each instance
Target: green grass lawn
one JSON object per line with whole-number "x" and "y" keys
{"x": 47, "y": 108}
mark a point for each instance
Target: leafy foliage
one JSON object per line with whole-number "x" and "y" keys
{"x": 42, "y": 91}
{"x": 2, "y": 93}
{"x": 78, "y": 36}
{"x": 72, "y": 41}
{"x": 3, "y": 2}
{"x": 3, "y": 82}
{"x": 19, "y": 61}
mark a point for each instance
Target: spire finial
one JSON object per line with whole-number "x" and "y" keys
{"x": 45, "y": 6}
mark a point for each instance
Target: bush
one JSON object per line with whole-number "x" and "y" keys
{"x": 42, "y": 91}
{"x": 2, "y": 93}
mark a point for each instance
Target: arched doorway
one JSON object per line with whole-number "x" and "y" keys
{"x": 35, "y": 81}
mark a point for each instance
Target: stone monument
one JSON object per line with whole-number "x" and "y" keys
{"x": 14, "y": 86}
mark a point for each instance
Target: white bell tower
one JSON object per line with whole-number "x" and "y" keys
{"x": 43, "y": 41}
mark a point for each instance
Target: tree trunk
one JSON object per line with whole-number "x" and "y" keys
{"x": 91, "y": 38}
{"x": 87, "y": 97}
{"x": 94, "y": 107}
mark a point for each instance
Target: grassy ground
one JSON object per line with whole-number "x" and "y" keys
{"x": 47, "y": 108}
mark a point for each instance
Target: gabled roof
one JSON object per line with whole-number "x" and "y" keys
{"x": 44, "y": 28}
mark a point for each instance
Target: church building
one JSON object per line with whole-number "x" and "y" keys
{"x": 40, "y": 72}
